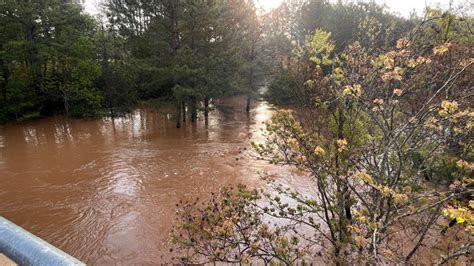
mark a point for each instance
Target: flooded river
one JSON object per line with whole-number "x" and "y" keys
{"x": 105, "y": 190}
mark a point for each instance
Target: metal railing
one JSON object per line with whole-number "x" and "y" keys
{"x": 24, "y": 248}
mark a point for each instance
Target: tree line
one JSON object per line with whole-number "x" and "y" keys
{"x": 55, "y": 58}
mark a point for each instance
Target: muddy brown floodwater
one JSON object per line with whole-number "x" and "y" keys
{"x": 105, "y": 190}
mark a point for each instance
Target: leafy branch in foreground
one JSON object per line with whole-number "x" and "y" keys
{"x": 231, "y": 228}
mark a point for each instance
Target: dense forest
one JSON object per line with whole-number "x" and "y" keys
{"x": 57, "y": 59}
{"x": 375, "y": 108}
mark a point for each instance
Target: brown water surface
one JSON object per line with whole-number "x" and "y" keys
{"x": 105, "y": 190}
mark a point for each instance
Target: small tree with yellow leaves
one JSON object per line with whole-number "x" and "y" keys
{"x": 375, "y": 160}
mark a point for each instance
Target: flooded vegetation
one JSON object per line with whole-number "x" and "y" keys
{"x": 104, "y": 190}
{"x": 274, "y": 132}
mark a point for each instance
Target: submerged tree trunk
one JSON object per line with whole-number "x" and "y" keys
{"x": 206, "y": 106}
{"x": 112, "y": 110}
{"x": 251, "y": 88}
{"x": 193, "y": 106}
{"x": 178, "y": 114}
{"x": 183, "y": 105}
{"x": 248, "y": 104}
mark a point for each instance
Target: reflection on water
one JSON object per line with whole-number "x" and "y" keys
{"x": 105, "y": 190}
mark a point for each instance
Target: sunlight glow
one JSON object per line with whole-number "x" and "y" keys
{"x": 267, "y": 5}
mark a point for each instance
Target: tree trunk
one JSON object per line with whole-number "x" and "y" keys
{"x": 33, "y": 55}
{"x": 174, "y": 34}
{"x": 178, "y": 114}
{"x": 251, "y": 88}
{"x": 112, "y": 111}
{"x": 65, "y": 101}
{"x": 206, "y": 106}
{"x": 6, "y": 78}
{"x": 183, "y": 105}
{"x": 193, "y": 106}
{"x": 248, "y": 104}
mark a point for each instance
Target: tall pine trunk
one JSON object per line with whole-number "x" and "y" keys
{"x": 206, "y": 106}
{"x": 251, "y": 87}
{"x": 193, "y": 106}
{"x": 178, "y": 114}
{"x": 33, "y": 55}
{"x": 248, "y": 104}
{"x": 6, "y": 78}
{"x": 183, "y": 105}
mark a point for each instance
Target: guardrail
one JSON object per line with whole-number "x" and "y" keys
{"x": 24, "y": 248}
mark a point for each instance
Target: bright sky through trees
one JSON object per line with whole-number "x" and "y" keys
{"x": 404, "y": 7}
{"x": 268, "y": 4}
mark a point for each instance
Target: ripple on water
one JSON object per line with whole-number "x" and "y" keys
{"x": 2, "y": 140}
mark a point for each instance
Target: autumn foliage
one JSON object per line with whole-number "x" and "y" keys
{"x": 386, "y": 137}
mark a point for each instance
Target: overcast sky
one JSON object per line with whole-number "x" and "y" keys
{"x": 404, "y": 7}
